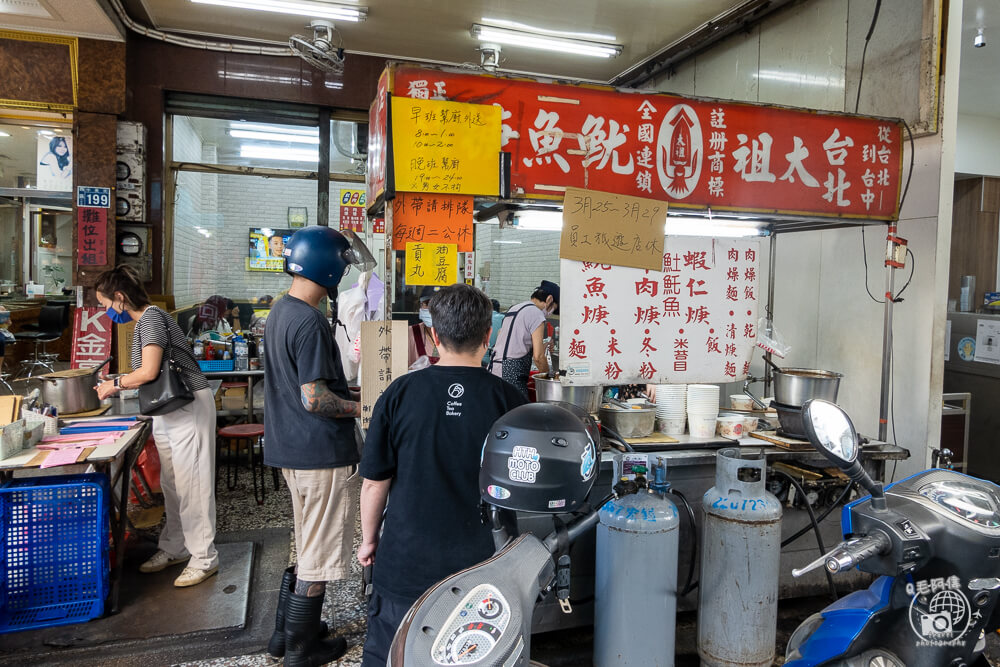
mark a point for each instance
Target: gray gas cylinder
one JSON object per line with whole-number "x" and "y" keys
{"x": 740, "y": 551}
{"x": 635, "y": 587}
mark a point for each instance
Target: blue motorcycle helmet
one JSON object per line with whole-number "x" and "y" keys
{"x": 324, "y": 255}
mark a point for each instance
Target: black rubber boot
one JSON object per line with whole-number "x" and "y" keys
{"x": 303, "y": 647}
{"x": 276, "y": 645}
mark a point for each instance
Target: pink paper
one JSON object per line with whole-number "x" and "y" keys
{"x": 83, "y": 437}
{"x": 70, "y": 445}
{"x": 62, "y": 457}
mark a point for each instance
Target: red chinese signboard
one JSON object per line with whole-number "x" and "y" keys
{"x": 352, "y": 210}
{"x": 692, "y": 153}
{"x": 91, "y": 338}
{"x": 92, "y": 236}
{"x": 377, "y": 131}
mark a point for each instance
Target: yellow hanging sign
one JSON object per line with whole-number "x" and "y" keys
{"x": 447, "y": 147}
{"x": 431, "y": 263}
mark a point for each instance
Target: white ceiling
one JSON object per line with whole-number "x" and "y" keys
{"x": 79, "y": 18}
{"x": 979, "y": 86}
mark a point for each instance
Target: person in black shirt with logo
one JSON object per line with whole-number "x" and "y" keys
{"x": 424, "y": 443}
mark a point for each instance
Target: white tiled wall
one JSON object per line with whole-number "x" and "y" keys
{"x": 518, "y": 267}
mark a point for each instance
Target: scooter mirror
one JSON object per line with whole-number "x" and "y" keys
{"x": 830, "y": 431}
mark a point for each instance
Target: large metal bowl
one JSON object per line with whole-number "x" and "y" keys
{"x": 794, "y": 386}
{"x": 587, "y": 397}
{"x": 632, "y": 423}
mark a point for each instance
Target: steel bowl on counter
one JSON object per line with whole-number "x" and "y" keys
{"x": 72, "y": 391}
{"x": 587, "y": 397}
{"x": 636, "y": 421}
{"x": 794, "y": 386}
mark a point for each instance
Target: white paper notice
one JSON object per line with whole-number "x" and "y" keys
{"x": 987, "y": 342}
{"x": 696, "y": 321}
{"x": 947, "y": 340}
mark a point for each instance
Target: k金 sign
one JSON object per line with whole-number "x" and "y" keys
{"x": 92, "y": 236}
{"x": 432, "y": 218}
{"x": 614, "y": 229}
{"x": 693, "y": 321}
{"x": 431, "y": 264}
{"x": 695, "y": 153}
{"x": 91, "y": 338}
{"x": 445, "y": 147}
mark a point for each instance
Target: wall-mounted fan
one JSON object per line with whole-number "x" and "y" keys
{"x": 324, "y": 50}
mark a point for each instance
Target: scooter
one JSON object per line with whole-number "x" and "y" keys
{"x": 933, "y": 540}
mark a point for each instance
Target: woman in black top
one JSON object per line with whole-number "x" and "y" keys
{"x": 185, "y": 437}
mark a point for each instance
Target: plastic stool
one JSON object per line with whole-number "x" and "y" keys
{"x": 251, "y": 434}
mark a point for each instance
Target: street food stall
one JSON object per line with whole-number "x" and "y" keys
{"x": 662, "y": 205}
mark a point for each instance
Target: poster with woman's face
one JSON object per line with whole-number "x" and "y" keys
{"x": 55, "y": 163}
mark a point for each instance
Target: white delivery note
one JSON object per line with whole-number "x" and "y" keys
{"x": 987, "y": 342}
{"x": 947, "y": 340}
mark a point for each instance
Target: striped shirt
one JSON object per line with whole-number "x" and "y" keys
{"x": 152, "y": 329}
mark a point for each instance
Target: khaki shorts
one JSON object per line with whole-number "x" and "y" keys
{"x": 325, "y": 506}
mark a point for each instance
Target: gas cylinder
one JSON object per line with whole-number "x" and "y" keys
{"x": 740, "y": 550}
{"x": 635, "y": 586}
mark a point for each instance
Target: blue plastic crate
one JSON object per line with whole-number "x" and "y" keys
{"x": 217, "y": 365}
{"x": 53, "y": 550}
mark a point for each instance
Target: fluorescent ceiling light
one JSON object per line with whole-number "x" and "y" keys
{"x": 282, "y": 129}
{"x": 4, "y": 134}
{"x": 46, "y": 133}
{"x": 550, "y": 221}
{"x": 507, "y": 242}
{"x": 543, "y": 31}
{"x": 677, "y": 226}
{"x": 492, "y": 34}
{"x": 263, "y": 152}
{"x": 311, "y": 8}
{"x": 274, "y": 136}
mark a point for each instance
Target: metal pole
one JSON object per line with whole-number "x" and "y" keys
{"x": 769, "y": 309}
{"x": 323, "y": 189}
{"x": 884, "y": 404}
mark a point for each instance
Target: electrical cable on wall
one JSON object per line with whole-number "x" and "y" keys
{"x": 864, "y": 52}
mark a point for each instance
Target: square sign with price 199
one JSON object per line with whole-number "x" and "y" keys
{"x": 93, "y": 197}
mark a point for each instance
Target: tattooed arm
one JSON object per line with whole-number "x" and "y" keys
{"x": 319, "y": 399}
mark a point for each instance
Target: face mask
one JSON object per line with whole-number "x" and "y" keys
{"x": 116, "y": 317}
{"x": 425, "y": 317}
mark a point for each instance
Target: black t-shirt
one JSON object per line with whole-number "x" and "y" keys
{"x": 298, "y": 349}
{"x": 427, "y": 434}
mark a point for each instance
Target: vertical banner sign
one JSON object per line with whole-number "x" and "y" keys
{"x": 446, "y": 146}
{"x": 613, "y": 229}
{"x": 432, "y": 218}
{"x": 379, "y": 366}
{"x": 694, "y": 321}
{"x": 431, "y": 264}
{"x": 470, "y": 268}
{"x": 91, "y": 338}
{"x": 92, "y": 236}
{"x": 352, "y": 210}
{"x": 375, "y": 175}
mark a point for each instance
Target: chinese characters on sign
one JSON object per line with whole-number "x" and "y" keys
{"x": 92, "y": 236}
{"x": 699, "y": 153}
{"x": 445, "y": 147}
{"x": 377, "y": 145}
{"x": 613, "y": 229}
{"x": 352, "y": 210}
{"x": 378, "y": 365}
{"x": 694, "y": 321}
{"x": 91, "y": 338}
{"x": 432, "y": 219}
{"x": 431, "y": 264}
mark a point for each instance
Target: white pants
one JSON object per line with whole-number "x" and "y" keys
{"x": 185, "y": 440}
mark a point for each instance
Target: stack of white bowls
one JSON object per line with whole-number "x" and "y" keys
{"x": 702, "y": 409}
{"x": 671, "y": 408}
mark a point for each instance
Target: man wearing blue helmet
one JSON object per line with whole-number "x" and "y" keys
{"x": 309, "y": 430}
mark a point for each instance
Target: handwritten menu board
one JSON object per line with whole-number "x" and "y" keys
{"x": 431, "y": 263}
{"x": 694, "y": 321}
{"x": 379, "y": 366}
{"x": 613, "y": 229}
{"x": 432, "y": 218}
{"x": 450, "y": 147}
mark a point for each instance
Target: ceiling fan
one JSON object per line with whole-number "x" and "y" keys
{"x": 320, "y": 51}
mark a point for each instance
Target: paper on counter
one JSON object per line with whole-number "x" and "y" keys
{"x": 987, "y": 342}
{"x": 75, "y": 443}
{"x": 62, "y": 457}
{"x": 83, "y": 437}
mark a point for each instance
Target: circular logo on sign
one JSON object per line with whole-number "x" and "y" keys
{"x": 679, "y": 151}
{"x": 967, "y": 349}
{"x": 943, "y": 617}
{"x": 456, "y": 390}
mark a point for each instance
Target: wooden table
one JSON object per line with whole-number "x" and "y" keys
{"x": 124, "y": 451}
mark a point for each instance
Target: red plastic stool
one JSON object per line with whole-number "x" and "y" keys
{"x": 251, "y": 434}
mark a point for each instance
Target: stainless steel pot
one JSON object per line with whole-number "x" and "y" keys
{"x": 74, "y": 393}
{"x": 587, "y": 397}
{"x": 794, "y": 386}
{"x": 630, "y": 423}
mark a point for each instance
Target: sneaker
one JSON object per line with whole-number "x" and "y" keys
{"x": 192, "y": 576}
{"x": 161, "y": 560}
